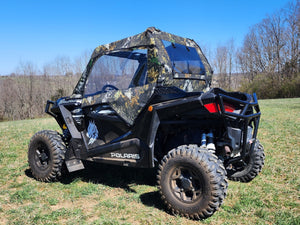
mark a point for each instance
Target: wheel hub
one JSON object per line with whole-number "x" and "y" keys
{"x": 187, "y": 184}
{"x": 41, "y": 157}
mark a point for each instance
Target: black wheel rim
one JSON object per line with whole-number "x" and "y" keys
{"x": 239, "y": 166}
{"x": 186, "y": 185}
{"x": 42, "y": 156}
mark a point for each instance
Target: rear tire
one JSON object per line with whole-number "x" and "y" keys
{"x": 46, "y": 153}
{"x": 248, "y": 170}
{"x": 192, "y": 182}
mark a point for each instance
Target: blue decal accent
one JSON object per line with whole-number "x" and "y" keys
{"x": 92, "y": 132}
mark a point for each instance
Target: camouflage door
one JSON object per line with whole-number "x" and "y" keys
{"x": 116, "y": 91}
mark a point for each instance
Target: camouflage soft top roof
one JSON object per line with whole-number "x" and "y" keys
{"x": 128, "y": 103}
{"x": 159, "y": 65}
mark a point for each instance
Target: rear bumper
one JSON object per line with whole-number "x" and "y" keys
{"x": 248, "y": 120}
{"x": 247, "y": 115}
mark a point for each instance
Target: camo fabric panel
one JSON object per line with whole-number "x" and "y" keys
{"x": 127, "y": 103}
{"x": 153, "y": 62}
{"x": 159, "y": 65}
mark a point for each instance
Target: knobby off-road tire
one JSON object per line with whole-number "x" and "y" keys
{"x": 46, "y": 154}
{"x": 247, "y": 171}
{"x": 192, "y": 182}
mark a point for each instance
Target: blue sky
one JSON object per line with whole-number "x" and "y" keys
{"x": 40, "y": 30}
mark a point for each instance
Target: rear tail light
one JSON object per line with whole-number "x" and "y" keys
{"x": 215, "y": 107}
{"x": 228, "y": 107}
{"x": 212, "y": 107}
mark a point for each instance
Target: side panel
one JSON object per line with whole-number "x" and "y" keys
{"x": 130, "y": 152}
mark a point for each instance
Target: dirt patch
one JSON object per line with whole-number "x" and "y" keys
{"x": 87, "y": 205}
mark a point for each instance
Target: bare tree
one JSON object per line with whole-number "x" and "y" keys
{"x": 231, "y": 60}
{"x": 63, "y": 65}
{"x": 272, "y": 44}
{"x": 292, "y": 34}
{"x": 220, "y": 64}
{"x": 30, "y": 70}
{"x": 81, "y": 61}
{"x": 7, "y": 106}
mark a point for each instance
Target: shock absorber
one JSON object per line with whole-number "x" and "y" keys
{"x": 203, "y": 141}
{"x": 207, "y": 141}
{"x": 210, "y": 142}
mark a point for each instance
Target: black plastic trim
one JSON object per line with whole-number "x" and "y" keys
{"x": 47, "y": 108}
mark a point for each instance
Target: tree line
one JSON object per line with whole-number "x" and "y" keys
{"x": 25, "y": 92}
{"x": 267, "y": 62}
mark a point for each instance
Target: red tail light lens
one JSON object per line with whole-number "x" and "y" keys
{"x": 214, "y": 107}
{"x": 211, "y": 107}
{"x": 228, "y": 107}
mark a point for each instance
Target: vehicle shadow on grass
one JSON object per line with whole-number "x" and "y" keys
{"x": 115, "y": 177}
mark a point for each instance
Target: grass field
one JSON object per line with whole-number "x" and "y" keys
{"x": 104, "y": 194}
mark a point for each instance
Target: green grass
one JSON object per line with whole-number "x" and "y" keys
{"x": 104, "y": 194}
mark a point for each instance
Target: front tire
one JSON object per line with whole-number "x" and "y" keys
{"x": 46, "y": 153}
{"x": 192, "y": 182}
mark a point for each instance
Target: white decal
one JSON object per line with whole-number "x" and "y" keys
{"x": 125, "y": 155}
{"x": 188, "y": 86}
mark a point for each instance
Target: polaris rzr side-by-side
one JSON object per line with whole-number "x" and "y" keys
{"x": 145, "y": 101}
